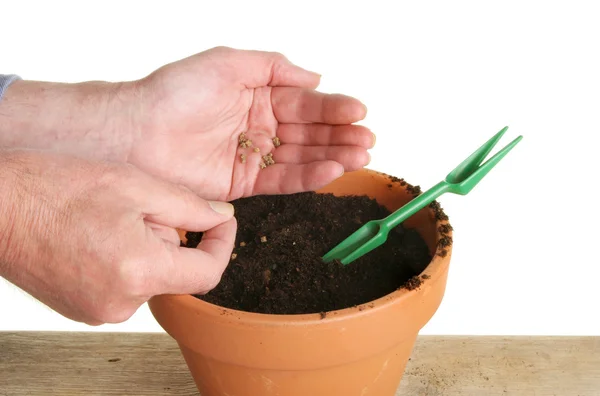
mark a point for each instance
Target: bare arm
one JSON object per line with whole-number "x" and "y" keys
{"x": 89, "y": 119}
{"x": 189, "y": 114}
{"x": 95, "y": 240}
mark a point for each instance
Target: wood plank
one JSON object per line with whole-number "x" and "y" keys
{"x": 523, "y": 366}
{"x": 110, "y": 364}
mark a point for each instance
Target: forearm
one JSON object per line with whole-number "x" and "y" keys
{"x": 28, "y": 214}
{"x": 91, "y": 119}
{"x": 10, "y": 210}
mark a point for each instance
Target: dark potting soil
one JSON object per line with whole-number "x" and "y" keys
{"x": 276, "y": 265}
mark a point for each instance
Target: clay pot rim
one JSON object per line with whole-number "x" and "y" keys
{"x": 434, "y": 269}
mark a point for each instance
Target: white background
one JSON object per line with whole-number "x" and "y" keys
{"x": 439, "y": 78}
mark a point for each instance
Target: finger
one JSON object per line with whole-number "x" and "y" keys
{"x": 351, "y": 157}
{"x": 197, "y": 271}
{"x": 173, "y": 205}
{"x": 300, "y": 105}
{"x": 326, "y": 135}
{"x": 187, "y": 211}
{"x": 165, "y": 233}
{"x": 290, "y": 178}
{"x": 261, "y": 68}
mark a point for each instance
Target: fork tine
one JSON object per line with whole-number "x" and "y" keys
{"x": 468, "y": 166}
{"x": 366, "y": 247}
{"x": 340, "y": 250}
{"x": 472, "y": 180}
{"x": 348, "y": 245}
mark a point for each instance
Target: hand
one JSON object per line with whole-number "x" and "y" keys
{"x": 182, "y": 123}
{"x": 94, "y": 240}
{"x": 193, "y": 111}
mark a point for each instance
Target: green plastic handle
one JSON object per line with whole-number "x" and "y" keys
{"x": 461, "y": 180}
{"x": 418, "y": 203}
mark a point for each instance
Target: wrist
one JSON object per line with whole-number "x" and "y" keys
{"x": 10, "y": 192}
{"x": 28, "y": 213}
{"x": 93, "y": 119}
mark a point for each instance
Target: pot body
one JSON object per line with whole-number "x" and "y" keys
{"x": 358, "y": 351}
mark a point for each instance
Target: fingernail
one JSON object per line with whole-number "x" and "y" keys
{"x": 221, "y": 207}
{"x": 374, "y": 140}
{"x": 341, "y": 172}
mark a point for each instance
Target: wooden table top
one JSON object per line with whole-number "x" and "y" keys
{"x": 150, "y": 364}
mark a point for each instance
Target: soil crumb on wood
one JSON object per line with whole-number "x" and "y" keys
{"x": 277, "y": 267}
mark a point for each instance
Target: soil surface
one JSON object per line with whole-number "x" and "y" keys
{"x": 276, "y": 265}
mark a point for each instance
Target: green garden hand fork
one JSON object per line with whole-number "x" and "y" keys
{"x": 460, "y": 181}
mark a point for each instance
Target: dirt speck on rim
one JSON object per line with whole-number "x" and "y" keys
{"x": 445, "y": 228}
{"x": 413, "y": 283}
{"x": 445, "y": 241}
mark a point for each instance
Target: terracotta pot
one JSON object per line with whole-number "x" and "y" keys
{"x": 359, "y": 351}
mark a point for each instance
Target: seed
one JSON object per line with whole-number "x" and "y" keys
{"x": 233, "y": 256}
{"x": 267, "y": 276}
{"x": 263, "y": 239}
{"x": 243, "y": 158}
{"x": 256, "y": 149}
{"x": 268, "y": 159}
{"x": 242, "y": 244}
{"x": 276, "y": 141}
{"x": 262, "y": 165}
{"x": 244, "y": 141}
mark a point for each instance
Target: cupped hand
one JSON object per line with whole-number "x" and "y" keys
{"x": 190, "y": 115}
{"x": 95, "y": 240}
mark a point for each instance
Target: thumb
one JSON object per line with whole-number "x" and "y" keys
{"x": 197, "y": 271}
{"x": 262, "y": 68}
{"x": 190, "y": 271}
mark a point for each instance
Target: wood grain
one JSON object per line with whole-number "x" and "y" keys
{"x": 110, "y": 364}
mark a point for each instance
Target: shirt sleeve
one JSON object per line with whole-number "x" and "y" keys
{"x": 5, "y": 81}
